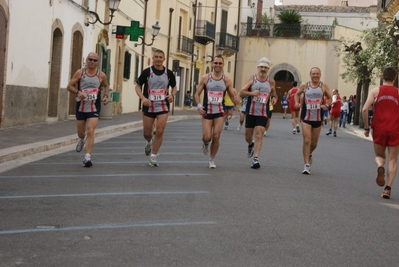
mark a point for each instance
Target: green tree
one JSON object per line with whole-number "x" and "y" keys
{"x": 365, "y": 59}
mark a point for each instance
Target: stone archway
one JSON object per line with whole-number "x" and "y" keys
{"x": 283, "y": 85}
{"x": 287, "y": 67}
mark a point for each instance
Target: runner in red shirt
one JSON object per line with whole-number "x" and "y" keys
{"x": 335, "y": 112}
{"x": 385, "y": 127}
{"x": 294, "y": 110}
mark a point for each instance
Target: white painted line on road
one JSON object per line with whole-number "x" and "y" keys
{"x": 105, "y": 226}
{"x": 122, "y": 162}
{"x": 107, "y": 194}
{"x": 395, "y": 206}
{"x": 79, "y": 175}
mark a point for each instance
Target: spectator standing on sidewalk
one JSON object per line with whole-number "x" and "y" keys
{"x": 259, "y": 88}
{"x": 156, "y": 99}
{"x": 188, "y": 100}
{"x": 88, "y": 94}
{"x": 312, "y": 113}
{"x": 344, "y": 112}
{"x": 294, "y": 110}
{"x": 385, "y": 126}
{"x": 214, "y": 84}
{"x": 351, "y": 107}
{"x": 335, "y": 112}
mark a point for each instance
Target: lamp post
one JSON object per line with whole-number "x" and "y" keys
{"x": 112, "y": 5}
{"x": 154, "y": 33}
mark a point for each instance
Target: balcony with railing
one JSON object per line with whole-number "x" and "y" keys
{"x": 303, "y": 31}
{"x": 227, "y": 42}
{"x": 184, "y": 45}
{"x": 205, "y": 32}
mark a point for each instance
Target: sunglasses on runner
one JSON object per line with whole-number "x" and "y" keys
{"x": 92, "y": 59}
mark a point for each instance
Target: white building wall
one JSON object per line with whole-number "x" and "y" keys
{"x": 30, "y": 37}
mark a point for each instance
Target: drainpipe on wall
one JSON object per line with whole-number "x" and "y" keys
{"x": 142, "y": 48}
{"x": 238, "y": 35}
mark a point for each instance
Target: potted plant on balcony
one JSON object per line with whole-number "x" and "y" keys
{"x": 290, "y": 24}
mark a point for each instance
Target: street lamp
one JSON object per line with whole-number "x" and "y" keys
{"x": 112, "y": 5}
{"x": 154, "y": 33}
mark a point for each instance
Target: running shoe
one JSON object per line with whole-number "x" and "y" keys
{"x": 335, "y": 134}
{"x": 153, "y": 161}
{"x": 329, "y": 132}
{"x": 310, "y": 159}
{"x": 239, "y": 128}
{"x": 205, "y": 148}
{"x": 226, "y": 123}
{"x": 87, "y": 162}
{"x": 386, "y": 193}
{"x": 80, "y": 144}
{"x": 255, "y": 164}
{"x": 250, "y": 150}
{"x": 265, "y": 133}
{"x": 306, "y": 170}
{"x": 293, "y": 131}
{"x": 147, "y": 149}
{"x": 380, "y": 176}
{"x": 212, "y": 164}
{"x": 298, "y": 130}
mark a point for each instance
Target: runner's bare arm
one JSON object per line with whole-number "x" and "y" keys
{"x": 273, "y": 91}
{"x": 300, "y": 91}
{"x": 104, "y": 82}
{"x": 245, "y": 89}
{"x": 200, "y": 88}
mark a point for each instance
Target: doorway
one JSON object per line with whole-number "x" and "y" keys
{"x": 76, "y": 64}
{"x": 55, "y": 73}
{"x": 283, "y": 81}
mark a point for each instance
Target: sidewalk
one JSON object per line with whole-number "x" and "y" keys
{"x": 21, "y": 141}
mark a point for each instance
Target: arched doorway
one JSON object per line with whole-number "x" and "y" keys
{"x": 283, "y": 81}
{"x": 55, "y": 73}
{"x": 76, "y": 64}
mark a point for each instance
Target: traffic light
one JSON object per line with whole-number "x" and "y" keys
{"x": 120, "y": 32}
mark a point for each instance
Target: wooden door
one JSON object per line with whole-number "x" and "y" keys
{"x": 281, "y": 87}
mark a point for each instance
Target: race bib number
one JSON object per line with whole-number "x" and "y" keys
{"x": 157, "y": 95}
{"x": 215, "y": 97}
{"x": 262, "y": 98}
{"x": 91, "y": 94}
{"x": 313, "y": 103}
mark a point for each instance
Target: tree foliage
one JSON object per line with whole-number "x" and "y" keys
{"x": 290, "y": 17}
{"x": 365, "y": 58}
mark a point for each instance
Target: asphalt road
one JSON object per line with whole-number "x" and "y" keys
{"x": 122, "y": 212}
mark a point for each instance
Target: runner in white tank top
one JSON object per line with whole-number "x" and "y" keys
{"x": 259, "y": 88}
{"x": 88, "y": 103}
{"x": 312, "y": 109}
{"x": 214, "y": 85}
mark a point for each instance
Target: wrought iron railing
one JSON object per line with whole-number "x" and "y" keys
{"x": 305, "y": 31}
{"x": 227, "y": 41}
{"x": 185, "y": 44}
{"x": 206, "y": 29}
